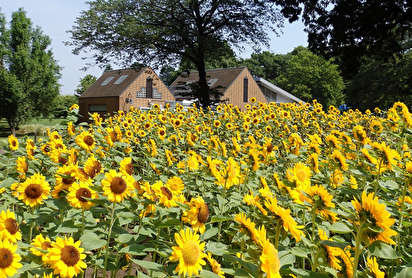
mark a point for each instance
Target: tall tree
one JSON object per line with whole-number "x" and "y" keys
{"x": 266, "y": 64}
{"x": 84, "y": 84}
{"x": 29, "y": 72}
{"x": 351, "y": 29}
{"x": 164, "y": 31}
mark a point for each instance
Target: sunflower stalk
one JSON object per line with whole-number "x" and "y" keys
{"x": 358, "y": 249}
{"x": 106, "y": 255}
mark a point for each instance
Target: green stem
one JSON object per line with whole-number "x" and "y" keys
{"x": 277, "y": 236}
{"x": 405, "y": 185}
{"x": 358, "y": 250}
{"x": 106, "y": 255}
{"x": 315, "y": 252}
{"x": 83, "y": 223}
{"x": 375, "y": 189}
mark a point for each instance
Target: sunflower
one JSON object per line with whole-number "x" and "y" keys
{"x": 340, "y": 158}
{"x": 217, "y": 123}
{"x": 34, "y": 190}
{"x": 389, "y": 156}
{"x": 193, "y": 163}
{"x": 86, "y": 141}
{"x": 9, "y": 259}
{"x": 258, "y": 236}
{"x": 66, "y": 257}
{"x": 376, "y": 126}
{"x": 375, "y": 215}
{"x": 21, "y": 166}
{"x": 161, "y": 132}
{"x": 40, "y": 246}
{"x": 332, "y": 252}
{"x": 251, "y": 200}
{"x": 78, "y": 192}
{"x": 189, "y": 253}
{"x": 313, "y": 160}
{"x": 165, "y": 196}
{"x": 9, "y": 228}
{"x": 92, "y": 167}
{"x": 373, "y": 266}
{"x": 319, "y": 197}
{"x": 30, "y": 148}
{"x": 269, "y": 259}
{"x": 175, "y": 184}
{"x": 117, "y": 186}
{"x": 287, "y": 221}
{"x": 197, "y": 215}
{"x": 13, "y": 142}
{"x": 65, "y": 177}
{"x": 126, "y": 166}
{"x": 215, "y": 265}
{"x": 300, "y": 174}
{"x": 337, "y": 178}
{"x": 71, "y": 130}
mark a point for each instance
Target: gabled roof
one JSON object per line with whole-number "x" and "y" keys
{"x": 112, "y": 83}
{"x": 276, "y": 89}
{"x": 220, "y": 79}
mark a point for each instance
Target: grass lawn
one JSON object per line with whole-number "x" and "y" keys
{"x": 34, "y": 126}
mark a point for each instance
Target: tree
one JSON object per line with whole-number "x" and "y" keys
{"x": 61, "y": 104}
{"x": 380, "y": 84}
{"x": 309, "y": 76}
{"x": 350, "y": 30}
{"x": 84, "y": 84}
{"x": 266, "y": 65}
{"x": 28, "y": 71}
{"x": 166, "y": 31}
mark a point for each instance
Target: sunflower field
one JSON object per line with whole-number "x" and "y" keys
{"x": 276, "y": 190}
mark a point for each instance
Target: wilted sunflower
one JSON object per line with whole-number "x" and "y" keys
{"x": 66, "y": 257}
{"x": 86, "y": 141}
{"x": 189, "y": 253}
{"x": 269, "y": 259}
{"x": 375, "y": 215}
{"x": 78, "y": 192}
{"x": 117, "y": 186}
{"x": 13, "y": 142}
{"x": 197, "y": 215}
{"x": 9, "y": 259}
{"x": 9, "y": 228}
{"x": 34, "y": 190}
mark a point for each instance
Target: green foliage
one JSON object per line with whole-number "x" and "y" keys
{"x": 84, "y": 84}
{"x": 158, "y": 32}
{"x": 29, "y": 71}
{"x": 61, "y": 103}
{"x": 309, "y": 76}
{"x": 266, "y": 65}
{"x": 378, "y": 83}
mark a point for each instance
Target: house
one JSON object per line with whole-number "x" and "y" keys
{"x": 121, "y": 89}
{"x": 237, "y": 86}
{"x": 275, "y": 94}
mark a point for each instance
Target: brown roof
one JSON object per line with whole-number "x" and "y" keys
{"x": 111, "y": 89}
{"x": 223, "y": 78}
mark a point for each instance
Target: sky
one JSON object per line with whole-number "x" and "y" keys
{"x": 56, "y": 17}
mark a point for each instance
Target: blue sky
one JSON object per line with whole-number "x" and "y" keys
{"x": 55, "y": 17}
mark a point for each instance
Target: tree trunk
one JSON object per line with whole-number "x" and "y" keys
{"x": 203, "y": 93}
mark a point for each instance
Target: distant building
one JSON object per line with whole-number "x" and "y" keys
{"x": 120, "y": 89}
{"x": 237, "y": 86}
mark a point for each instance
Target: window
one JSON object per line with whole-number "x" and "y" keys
{"x": 245, "y": 89}
{"x": 149, "y": 88}
{"x": 141, "y": 93}
{"x": 107, "y": 80}
{"x": 120, "y": 79}
{"x": 157, "y": 94}
{"x": 97, "y": 108}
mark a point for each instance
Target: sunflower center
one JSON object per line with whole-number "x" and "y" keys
{"x": 203, "y": 214}
{"x": 62, "y": 159}
{"x": 88, "y": 140}
{"x": 118, "y": 185}
{"x": 83, "y": 193}
{"x": 269, "y": 148}
{"x": 301, "y": 175}
{"x": 6, "y": 258}
{"x": 167, "y": 193}
{"x": 68, "y": 179}
{"x": 33, "y": 191}
{"x": 45, "y": 245}
{"x": 190, "y": 252}
{"x": 129, "y": 168}
{"x": 11, "y": 226}
{"x": 162, "y": 133}
{"x": 96, "y": 168}
{"x": 70, "y": 255}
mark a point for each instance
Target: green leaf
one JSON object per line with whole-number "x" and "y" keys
{"x": 220, "y": 218}
{"x": 300, "y": 252}
{"x": 134, "y": 249}
{"x": 125, "y": 238}
{"x": 216, "y": 248}
{"x": 340, "y": 245}
{"x": 406, "y": 272}
{"x": 91, "y": 241}
{"x": 210, "y": 233}
{"x": 340, "y": 228}
{"x": 208, "y": 274}
{"x": 286, "y": 258}
{"x": 148, "y": 264}
{"x": 382, "y": 250}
